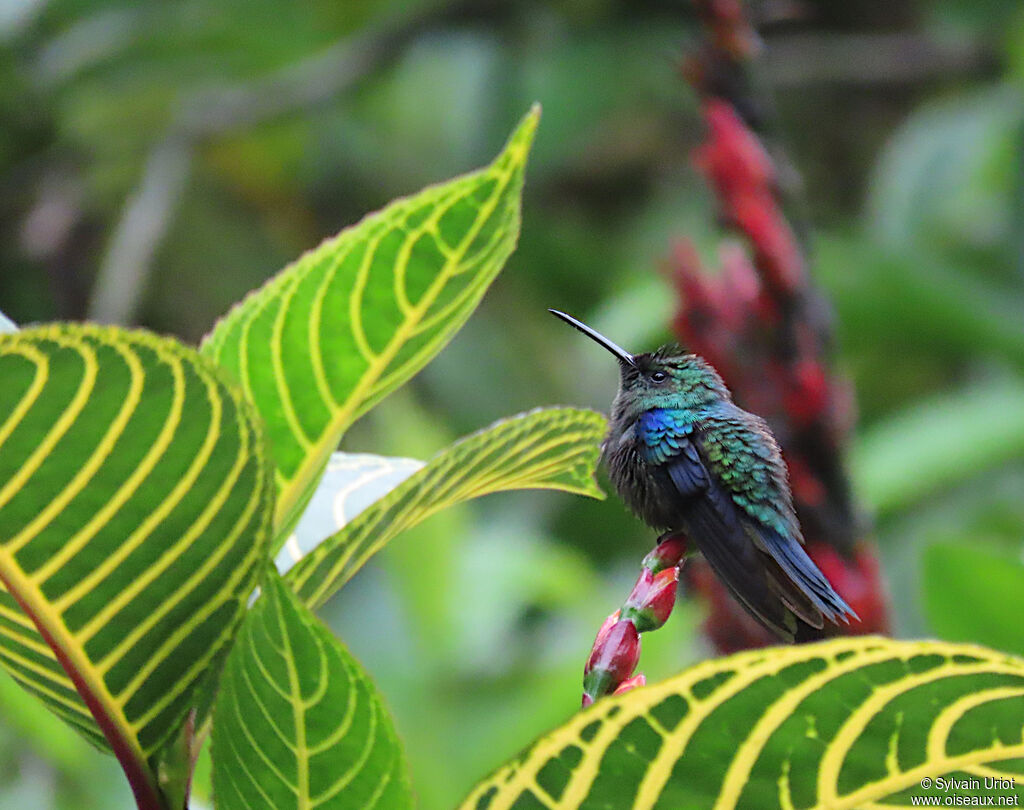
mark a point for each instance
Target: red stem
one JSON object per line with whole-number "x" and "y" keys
{"x": 144, "y": 789}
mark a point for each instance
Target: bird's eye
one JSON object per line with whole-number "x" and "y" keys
{"x": 659, "y": 376}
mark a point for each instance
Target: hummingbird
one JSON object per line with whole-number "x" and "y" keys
{"x": 687, "y": 460}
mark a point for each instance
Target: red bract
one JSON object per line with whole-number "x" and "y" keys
{"x": 742, "y": 174}
{"x": 764, "y": 326}
{"x": 808, "y": 393}
{"x": 732, "y": 156}
{"x": 617, "y": 652}
{"x": 602, "y": 633}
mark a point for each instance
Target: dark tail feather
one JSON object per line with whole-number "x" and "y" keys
{"x": 802, "y": 571}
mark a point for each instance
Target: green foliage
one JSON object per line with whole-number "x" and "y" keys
{"x": 298, "y": 722}
{"x": 554, "y": 448}
{"x": 911, "y": 455}
{"x": 947, "y": 177}
{"x": 111, "y": 494}
{"x": 914, "y": 176}
{"x": 847, "y": 723}
{"x": 134, "y": 514}
{"x": 137, "y": 499}
{"x": 974, "y": 594}
{"x": 331, "y": 335}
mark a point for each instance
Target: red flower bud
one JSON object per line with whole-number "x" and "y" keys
{"x": 602, "y": 634}
{"x": 669, "y": 553}
{"x": 638, "y": 596}
{"x": 614, "y": 657}
{"x": 652, "y": 599}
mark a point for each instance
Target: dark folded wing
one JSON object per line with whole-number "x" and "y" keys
{"x": 717, "y": 527}
{"x": 755, "y": 481}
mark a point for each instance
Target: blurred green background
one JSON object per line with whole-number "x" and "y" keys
{"x": 158, "y": 160}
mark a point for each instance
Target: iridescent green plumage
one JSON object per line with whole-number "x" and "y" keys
{"x": 686, "y": 459}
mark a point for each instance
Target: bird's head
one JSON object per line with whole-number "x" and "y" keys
{"x": 667, "y": 378}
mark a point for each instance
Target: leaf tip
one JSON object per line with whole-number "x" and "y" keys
{"x": 522, "y": 137}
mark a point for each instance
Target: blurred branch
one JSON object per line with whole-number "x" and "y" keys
{"x": 1017, "y": 210}
{"x": 803, "y": 59}
{"x": 301, "y": 86}
{"x": 147, "y": 214}
{"x": 146, "y": 218}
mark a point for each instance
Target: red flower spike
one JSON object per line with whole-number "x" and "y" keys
{"x": 808, "y": 491}
{"x": 732, "y": 35}
{"x": 762, "y": 324}
{"x": 808, "y": 394}
{"x": 733, "y": 157}
{"x": 741, "y": 285}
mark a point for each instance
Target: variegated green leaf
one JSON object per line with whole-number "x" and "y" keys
{"x": 351, "y": 483}
{"x": 840, "y": 725}
{"x": 553, "y": 448}
{"x": 135, "y": 505}
{"x": 350, "y": 321}
{"x": 298, "y": 723}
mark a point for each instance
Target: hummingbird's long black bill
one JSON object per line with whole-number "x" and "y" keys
{"x": 597, "y": 337}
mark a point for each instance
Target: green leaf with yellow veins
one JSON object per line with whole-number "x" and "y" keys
{"x": 332, "y": 334}
{"x": 135, "y": 504}
{"x": 298, "y": 722}
{"x": 550, "y": 448}
{"x": 838, "y": 725}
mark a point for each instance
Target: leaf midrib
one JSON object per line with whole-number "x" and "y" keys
{"x": 298, "y": 710}
{"x": 106, "y": 710}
